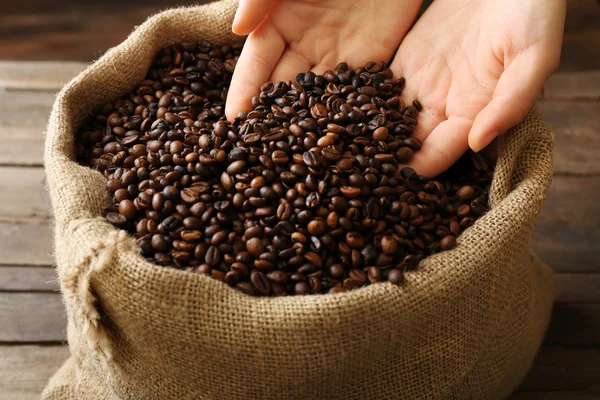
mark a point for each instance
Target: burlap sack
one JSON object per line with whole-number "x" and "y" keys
{"x": 465, "y": 325}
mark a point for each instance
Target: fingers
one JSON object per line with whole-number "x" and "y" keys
{"x": 249, "y": 15}
{"x": 517, "y": 90}
{"x": 290, "y": 64}
{"x": 443, "y": 147}
{"x": 428, "y": 119}
{"x": 260, "y": 55}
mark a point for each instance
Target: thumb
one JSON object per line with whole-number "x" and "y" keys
{"x": 249, "y": 15}
{"x": 516, "y": 91}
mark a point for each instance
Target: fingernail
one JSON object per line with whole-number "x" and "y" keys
{"x": 484, "y": 140}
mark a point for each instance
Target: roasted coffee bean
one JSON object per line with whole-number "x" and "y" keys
{"x": 301, "y": 194}
{"x": 118, "y": 220}
{"x": 213, "y": 256}
{"x": 255, "y": 246}
{"x": 465, "y": 193}
{"x": 389, "y": 245}
{"x": 302, "y": 288}
{"x": 355, "y": 240}
{"x": 261, "y": 283}
{"x": 447, "y": 243}
{"x": 374, "y": 274}
{"x": 396, "y": 276}
{"x": 127, "y": 209}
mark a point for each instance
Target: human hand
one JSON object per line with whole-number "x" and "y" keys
{"x": 292, "y": 36}
{"x": 476, "y": 66}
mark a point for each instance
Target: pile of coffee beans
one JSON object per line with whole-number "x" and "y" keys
{"x": 303, "y": 194}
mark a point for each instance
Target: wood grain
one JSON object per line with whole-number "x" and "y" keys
{"x": 582, "y": 38}
{"x": 23, "y": 119}
{"x": 32, "y": 317}
{"x": 73, "y": 30}
{"x": 567, "y": 235}
{"x": 565, "y": 369}
{"x": 41, "y": 75}
{"x": 578, "y": 288}
{"x": 25, "y": 370}
{"x": 576, "y": 128}
{"x": 23, "y": 193}
{"x": 26, "y": 243}
{"x": 574, "y": 324}
{"x": 573, "y": 86}
{"x": 31, "y": 279}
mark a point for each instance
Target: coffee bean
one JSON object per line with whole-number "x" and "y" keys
{"x": 159, "y": 243}
{"x": 301, "y": 288}
{"x": 236, "y": 167}
{"x": 355, "y": 240}
{"x": 213, "y": 256}
{"x": 358, "y": 275}
{"x": 396, "y": 276}
{"x": 404, "y": 155}
{"x": 261, "y": 283}
{"x": 118, "y": 220}
{"x": 314, "y": 259}
{"x": 412, "y": 143}
{"x": 465, "y": 193}
{"x": 191, "y": 236}
{"x": 447, "y": 243}
{"x": 255, "y": 246}
{"x": 279, "y": 276}
{"x": 350, "y": 191}
{"x": 317, "y": 227}
{"x": 389, "y": 245}
{"x": 380, "y": 134}
{"x": 374, "y": 274}
{"x": 246, "y": 287}
{"x": 127, "y": 209}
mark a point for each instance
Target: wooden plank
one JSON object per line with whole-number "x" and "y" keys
{"x": 26, "y": 243}
{"x": 73, "y": 29}
{"x": 573, "y": 86}
{"x": 567, "y": 236}
{"x": 25, "y": 370}
{"x": 23, "y": 119}
{"x": 32, "y": 279}
{"x": 578, "y": 288}
{"x": 576, "y": 126}
{"x": 582, "y": 38}
{"x": 32, "y": 317}
{"x": 41, "y": 75}
{"x": 23, "y": 193}
{"x": 565, "y": 369}
{"x": 574, "y": 324}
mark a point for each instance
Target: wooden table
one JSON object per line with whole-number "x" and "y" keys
{"x": 32, "y": 321}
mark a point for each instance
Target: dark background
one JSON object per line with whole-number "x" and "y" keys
{"x": 82, "y": 30}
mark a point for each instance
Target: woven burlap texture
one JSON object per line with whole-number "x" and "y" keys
{"x": 465, "y": 325}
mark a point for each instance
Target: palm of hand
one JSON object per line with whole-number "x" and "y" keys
{"x": 477, "y": 68}
{"x": 320, "y": 34}
{"x": 303, "y": 35}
